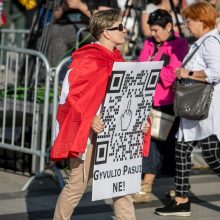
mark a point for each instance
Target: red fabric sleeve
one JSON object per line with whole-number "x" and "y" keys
{"x": 147, "y": 139}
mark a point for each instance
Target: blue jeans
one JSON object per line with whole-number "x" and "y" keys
{"x": 152, "y": 163}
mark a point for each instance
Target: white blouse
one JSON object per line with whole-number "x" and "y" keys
{"x": 206, "y": 58}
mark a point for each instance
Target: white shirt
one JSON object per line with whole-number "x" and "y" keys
{"x": 150, "y": 8}
{"x": 206, "y": 58}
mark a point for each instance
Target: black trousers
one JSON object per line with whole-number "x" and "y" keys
{"x": 211, "y": 154}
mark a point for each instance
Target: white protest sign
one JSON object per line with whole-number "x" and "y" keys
{"x": 118, "y": 157}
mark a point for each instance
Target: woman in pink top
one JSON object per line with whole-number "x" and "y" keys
{"x": 164, "y": 45}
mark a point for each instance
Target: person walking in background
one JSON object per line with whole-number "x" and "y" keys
{"x": 203, "y": 66}
{"x": 164, "y": 45}
{"x": 78, "y": 117}
{"x": 69, "y": 18}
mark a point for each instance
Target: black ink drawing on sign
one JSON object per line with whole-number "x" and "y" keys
{"x": 101, "y": 152}
{"x": 115, "y": 84}
{"x": 126, "y": 117}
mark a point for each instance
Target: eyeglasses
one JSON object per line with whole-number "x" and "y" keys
{"x": 187, "y": 21}
{"x": 119, "y": 28}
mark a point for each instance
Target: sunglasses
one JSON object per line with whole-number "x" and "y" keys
{"x": 119, "y": 28}
{"x": 154, "y": 16}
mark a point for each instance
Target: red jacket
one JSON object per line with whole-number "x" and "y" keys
{"x": 91, "y": 68}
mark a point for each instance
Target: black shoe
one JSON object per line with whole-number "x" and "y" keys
{"x": 182, "y": 209}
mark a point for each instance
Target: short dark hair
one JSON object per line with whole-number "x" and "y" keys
{"x": 160, "y": 17}
{"x": 102, "y": 20}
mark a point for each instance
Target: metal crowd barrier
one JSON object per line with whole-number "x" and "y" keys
{"x": 78, "y": 34}
{"x": 26, "y": 123}
{"x": 14, "y": 37}
{"x": 21, "y": 110}
{"x": 62, "y": 66}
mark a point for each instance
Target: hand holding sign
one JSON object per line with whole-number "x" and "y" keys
{"x": 126, "y": 117}
{"x": 97, "y": 124}
{"x": 146, "y": 127}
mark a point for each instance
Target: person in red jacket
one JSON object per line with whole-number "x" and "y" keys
{"x": 79, "y": 118}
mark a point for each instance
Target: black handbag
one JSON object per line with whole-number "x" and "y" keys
{"x": 192, "y": 100}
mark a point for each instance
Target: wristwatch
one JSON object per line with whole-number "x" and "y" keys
{"x": 190, "y": 73}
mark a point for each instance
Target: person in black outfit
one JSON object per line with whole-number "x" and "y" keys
{"x": 68, "y": 19}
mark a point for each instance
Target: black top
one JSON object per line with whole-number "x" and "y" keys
{"x": 76, "y": 16}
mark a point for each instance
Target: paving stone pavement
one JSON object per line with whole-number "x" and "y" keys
{"x": 38, "y": 202}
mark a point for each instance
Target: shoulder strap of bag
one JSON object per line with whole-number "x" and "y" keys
{"x": 192, "y": 54}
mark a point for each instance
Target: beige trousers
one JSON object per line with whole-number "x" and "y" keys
{"x": 80, "y": 173}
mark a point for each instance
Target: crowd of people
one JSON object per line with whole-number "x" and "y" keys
{"x": 164, "y": 27}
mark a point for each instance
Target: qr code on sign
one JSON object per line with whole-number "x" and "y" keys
{"x": 126, "y": 106}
